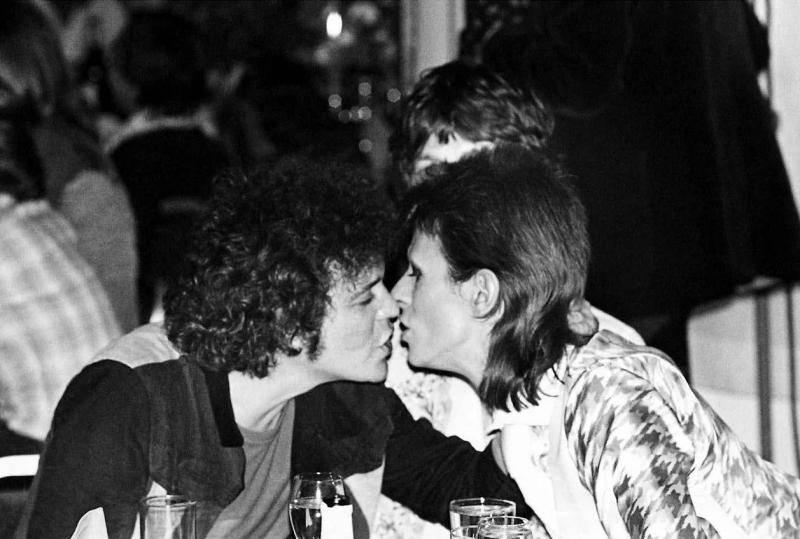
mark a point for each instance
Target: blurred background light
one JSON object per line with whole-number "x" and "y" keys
{"x": 333, "y": 24}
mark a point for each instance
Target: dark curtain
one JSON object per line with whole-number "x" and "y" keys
{"x": 661, "y": 119}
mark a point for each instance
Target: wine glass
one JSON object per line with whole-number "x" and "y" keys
{"x": 314, "y": 494}
{"x": 504, "y": 527}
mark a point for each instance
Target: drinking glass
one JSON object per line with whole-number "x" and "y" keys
{"x": 504, "y": 527}
{"x": 314, "y": 494}
{"x": 469, "y": 511}
{"x": 464, "y": 532}
{"x": 167, "y": 517}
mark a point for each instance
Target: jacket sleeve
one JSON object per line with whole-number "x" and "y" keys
{"x": 634, "y": 453}
{"x": 426, "y": 469}
{"x": 95, "y": 455}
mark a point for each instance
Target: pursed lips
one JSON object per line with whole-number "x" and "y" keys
{"x": 387, "y": 340}
{"x": 403, "y": 333}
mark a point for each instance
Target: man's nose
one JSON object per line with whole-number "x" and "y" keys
{"x": 389, "y": 308}
{"x": 401, "y": 291}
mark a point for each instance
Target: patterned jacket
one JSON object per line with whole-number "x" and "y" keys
{"x": 632, "y": 451}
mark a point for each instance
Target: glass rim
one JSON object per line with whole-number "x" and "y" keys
{"x": 482, "y": 500}
{"x": 167, "y": 501}
{"x": 317, "y": 476}
{"x": 504, "y": 520}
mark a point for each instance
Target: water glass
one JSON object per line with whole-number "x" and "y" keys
{"x": 504, "y": 527}
{"x": 469, "y": 511}
{"x": 167, "y": 517}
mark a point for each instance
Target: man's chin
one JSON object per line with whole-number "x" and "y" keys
{"x": 420, "y": 362}
{"x": 377, "y": 374}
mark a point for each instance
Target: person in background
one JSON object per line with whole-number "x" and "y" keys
{"x": 54, "y": 313}
{"x": 604, "y": 437}
{"x": 166, "y": 152}
{"x": 459, "y": 107}
{"x": 36, "y": 91}
{"x": 283, "y": 295}
{"x": 454, "y": 110}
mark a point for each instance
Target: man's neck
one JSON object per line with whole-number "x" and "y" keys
{"x": 257, "y": 402}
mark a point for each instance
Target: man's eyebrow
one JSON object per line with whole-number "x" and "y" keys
{"x": 366, "y": 287}
{"x": 373, "y": 282}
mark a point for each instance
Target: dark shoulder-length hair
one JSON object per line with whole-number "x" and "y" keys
{"x": 271, "y": 247}
{"x": 474, "y": 102}
{"x": 513, "y": 211}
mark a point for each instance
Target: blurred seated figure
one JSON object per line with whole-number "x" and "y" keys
{"x": 269, "y": 362}
{"x": 454, "y": 110}
{"x": 604, "y": 437}
{"x": 54, "y": 313}
{"x": 166, "y": 152}
{"x": 36, "y": 89}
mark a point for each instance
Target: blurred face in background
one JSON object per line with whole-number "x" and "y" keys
{"x": 450, "y": 151}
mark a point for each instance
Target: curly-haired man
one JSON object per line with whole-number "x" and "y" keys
{"x": 282, "y": 295}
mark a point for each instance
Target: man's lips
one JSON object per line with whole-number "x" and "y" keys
{"x": 386, "y": 341}
{"x": 403, "y": 333}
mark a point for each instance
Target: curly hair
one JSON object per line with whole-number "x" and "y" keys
{"x": 474, "y": 102}
{"x": 262, "y": 265}
{"x": 515, "y": 212}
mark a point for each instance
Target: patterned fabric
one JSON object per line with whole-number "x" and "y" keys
{"x": 653, "y": 458}
{"x": 54, "y": 314}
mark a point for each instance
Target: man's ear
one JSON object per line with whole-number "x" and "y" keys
{"x": 482, "y": 292}
{"x": 580, "y": 318}
{"x": 297, "y": 344}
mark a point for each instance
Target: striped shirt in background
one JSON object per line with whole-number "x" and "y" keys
{"x": 54, "y": 313}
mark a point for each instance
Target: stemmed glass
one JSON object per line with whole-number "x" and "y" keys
{"x": 504, "y": 527}
{"x": 314, "y": 494}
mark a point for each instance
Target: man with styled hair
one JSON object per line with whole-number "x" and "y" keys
{"x": 454, "y": 110}
{"x": 605, "y": 437}
{"x": 516, "y": 219}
